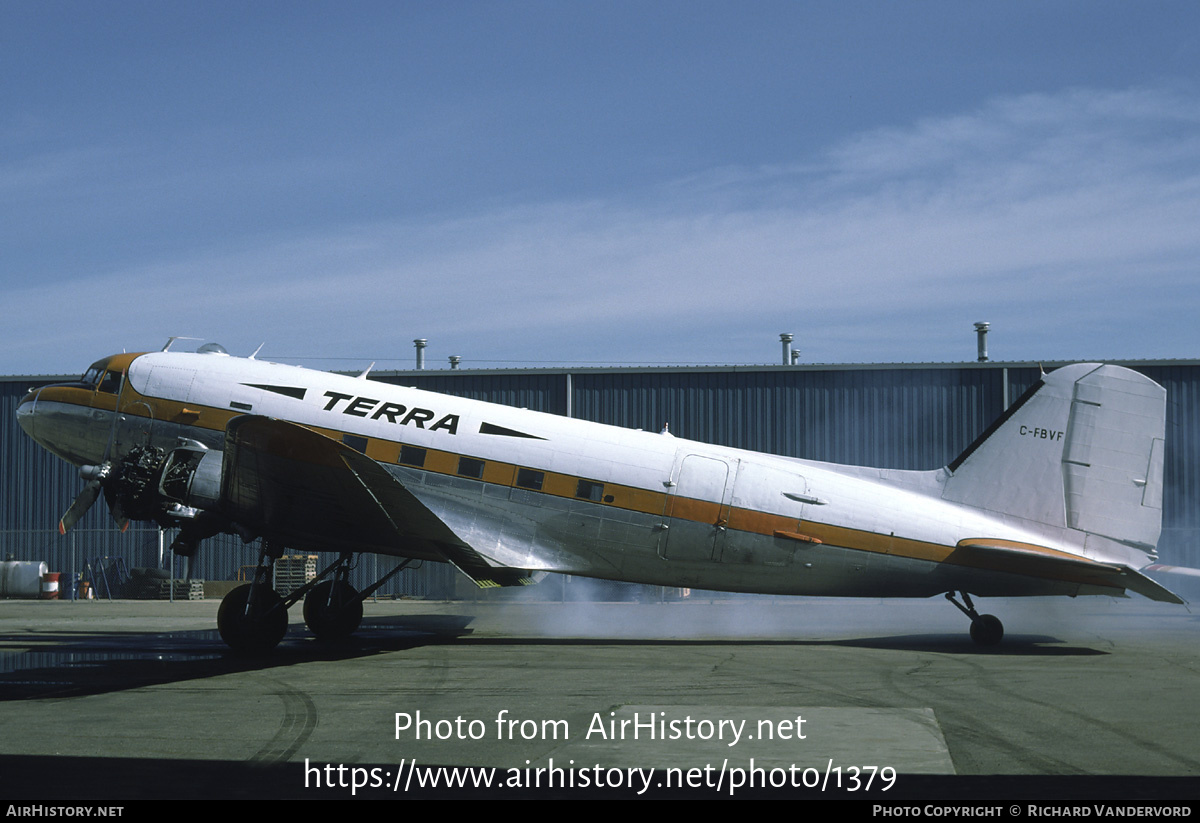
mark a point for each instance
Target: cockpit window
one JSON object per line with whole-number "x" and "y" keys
{"x": 111, "y": 382}
{"x": 92, "y": 376}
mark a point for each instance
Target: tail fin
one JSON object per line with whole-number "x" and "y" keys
{"x": 1082, "y": 449}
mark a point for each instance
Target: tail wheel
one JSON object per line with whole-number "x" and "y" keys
{"x": 333, "y": 610}
{"x": 252, "y": 627}
{"x": 987, "y": 630}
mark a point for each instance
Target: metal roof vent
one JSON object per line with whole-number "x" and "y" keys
{"x": 981, "y": 330}
{"x": 786, "y": 340}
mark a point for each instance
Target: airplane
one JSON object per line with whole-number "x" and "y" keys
{"x": 1062, "y": 495}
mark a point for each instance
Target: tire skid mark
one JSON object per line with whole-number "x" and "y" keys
{"x": 969, "y": 731}
{"x": 297, "y": 724}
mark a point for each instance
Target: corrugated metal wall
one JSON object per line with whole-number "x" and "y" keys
{"x": 1180, "y": 542}
{"x": 904, "y": 417}
{"x": 895, "y": 419}
{"x": 33, "y": 482}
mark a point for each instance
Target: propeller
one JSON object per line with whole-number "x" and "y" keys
{"x": 100, "y": 477}
{"x": 95, "y": 477}
{"x": 131, "y": 480}
{"x": 82, "y": 503}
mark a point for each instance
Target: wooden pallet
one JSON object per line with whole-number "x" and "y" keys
{"x": 184, "y": 590}
{"x": 294, "y": 570}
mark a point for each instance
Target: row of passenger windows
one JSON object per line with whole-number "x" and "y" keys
{"x": 526, "y": 478}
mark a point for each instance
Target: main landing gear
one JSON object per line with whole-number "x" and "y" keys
{"x": 253, "y": 618}
{"x": 333, "y": 608}
{"x": 986, "y": 629}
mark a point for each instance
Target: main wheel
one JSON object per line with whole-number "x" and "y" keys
{"x": 252, "y": 627}
{"x": 332, "y": 610}
{"x": 987, "y": 630}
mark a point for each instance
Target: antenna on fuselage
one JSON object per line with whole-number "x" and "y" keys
{"x": 171, "y": 341}
{"x": 256, "y": 351}
{"x": 367, "y": 371}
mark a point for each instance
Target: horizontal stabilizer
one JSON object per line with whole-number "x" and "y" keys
{"x": 1038, "y": 561}
{"x": 1152, "y": 589}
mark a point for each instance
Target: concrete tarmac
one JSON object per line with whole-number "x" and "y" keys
{"x": 1094, "y": 698}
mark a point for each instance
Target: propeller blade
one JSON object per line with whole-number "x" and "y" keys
{"x": 79, "y": 508}
{"x": 114, "y": 508}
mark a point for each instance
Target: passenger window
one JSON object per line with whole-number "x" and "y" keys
{"x": 530, "y": 479}
{"x": 412, "y": 456}
{"x": 590, "y": 490}
{"x": 470, "y": 467}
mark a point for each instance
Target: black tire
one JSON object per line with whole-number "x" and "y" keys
{"x": 256, "y": 630}
{"x": 987, "y": 630}
{"x": 332, "y": 610}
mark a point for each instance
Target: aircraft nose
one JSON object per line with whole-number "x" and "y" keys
{"x": 26, "y": 411}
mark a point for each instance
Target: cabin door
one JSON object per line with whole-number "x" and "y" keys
{"x": 697, "y": 508}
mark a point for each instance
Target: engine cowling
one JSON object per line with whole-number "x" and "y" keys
{"x": 191, "y": 477}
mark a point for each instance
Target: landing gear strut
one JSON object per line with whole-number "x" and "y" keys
{"x": 253, "y": 618}
{"x": 986, "y": 629}
{"x": 333, "y": 608}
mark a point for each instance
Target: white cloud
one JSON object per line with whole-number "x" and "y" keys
{"x": 1071, "y": 213}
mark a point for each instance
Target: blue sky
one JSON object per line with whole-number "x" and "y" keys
{"x": 545, "y": 183}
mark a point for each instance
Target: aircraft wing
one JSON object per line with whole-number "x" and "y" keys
{"x": 311, "y": 492}
{"x": 1039, "y": 561}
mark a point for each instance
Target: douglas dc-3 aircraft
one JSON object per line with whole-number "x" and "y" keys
{"x": 1061, "y": 496}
